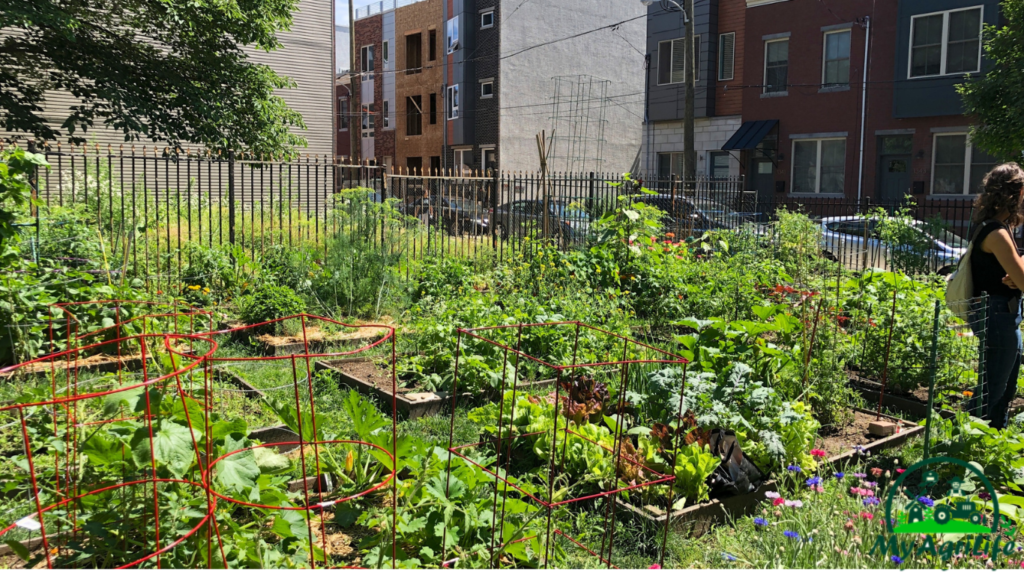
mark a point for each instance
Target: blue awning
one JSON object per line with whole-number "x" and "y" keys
{"x": 750, "y": 134}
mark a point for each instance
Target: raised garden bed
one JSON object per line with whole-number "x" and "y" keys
{"x": 363, "y": 375}
{"x": 697, "y": 519}
{"x": 913, "y": 404}
{"x": 315, "y": 338}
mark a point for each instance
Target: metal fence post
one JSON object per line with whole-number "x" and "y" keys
{"x": 231, "y": 196}
{"x": 495, "y": 190}
{"x": 931, "y": 378}
{"x": 977, "y": 401}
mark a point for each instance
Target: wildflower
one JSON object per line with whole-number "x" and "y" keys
{"x": 876, "y": 472}
{"x": 793, "y": 468}
{"x": 778, "y": 501}
{"x": 818, "y": 453}
{"x": 968, "y": 394}
{"x": 848, "y": 526}
{"x": 839, "y": 475}
{"x": 654, "y": 567}
{"x": 818, "y": 488}
{"x": 814, "y": 481}
{"x": 791, "y": 534}
{"x": 985, "y": 496}
{"x": 896, "y": 560}
{"x": 196, "y": 287}
{"x": 868, "y": 484}
{"x": 901, "y": 470}
{"x": 772, "y": 495}
{"x": 794, "y": 503}
{"x": 860, "y": 475}
{"x": 778, "y": 513}
{"x": 761, "y": 522}
{"x": 867, "y": 515}
{"x": 858, "y": 449}
{"x": 926, "y": 501}
{"x": 856, "y": 539}
{"x": 728, "y": 557}
{"x": 872, "y": 501}
{"x": 670, "y": 235}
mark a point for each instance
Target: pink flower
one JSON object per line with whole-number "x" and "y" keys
{"x": 654, "y": 567}
{"x": 867, "y": 515}
{"x": 794, "y": 503}
{"x": 901, "y": 470}
{"x": 818, "y": 488}
{"x": 778, "y": 501}
{"x": 818, "y": 453}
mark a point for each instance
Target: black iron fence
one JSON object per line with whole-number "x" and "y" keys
{"x": 152, "y": 204}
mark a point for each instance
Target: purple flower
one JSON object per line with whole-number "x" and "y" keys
{"x": 860, "y": 475}
{"x": 839, "y": 475}
{"x": 793, "y": 468}
{"x": 791, "y": 534}
{"x": 760, "y": 522}
{"x": 816, "y": 480}
{"x": 896, "y": 560}
{"x": 926, "y": 501}
{"x": 728, "y": 557}
{"x": 872, "y": 501}
{"x": 870, "y": 484}
{"x": 858, "y": 449}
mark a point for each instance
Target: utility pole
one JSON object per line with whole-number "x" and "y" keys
{"x": 689, "y": 145}
{"x": 355, "y": 121}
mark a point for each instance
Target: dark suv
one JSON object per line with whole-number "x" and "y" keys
{"x": 693, "y": 216}
{"x": 525, "y": 218}
{"x": 456, "y": 215}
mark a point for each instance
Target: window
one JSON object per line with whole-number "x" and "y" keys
{"x": 453, "y": 34}
{"x": 453, "y": 102}
{"x": 366, "y": 58}
{"x": 776, "y": 65}
{"x": 414, "y": 115}
{"x": 726, "y": 56}
{"x": 463, "y": 161}
{"x": 386, "y": 115}
{"x": 343, "y": 114}
{"x": 433, "y": 108}
{"x": 718, "y": 165}
{"x": 413, "y": 53}
{"x": 957, "y": 166}
{"x": 432, "y": 48}
{"x": 368, "y": 121}
{"x": 671, "y": 60}
{"x": 490, "y": 159}
{"x": 819, "y": 166}
{"x": 486, "y": 89}
{"x": 836, "y": 66}
{"x": 945, "y": 43}
{"x": 669, "y": 164}
{"x": 435, "y": 164}
{"x": 386, "y": 53}
{"x": 487, "y": 20}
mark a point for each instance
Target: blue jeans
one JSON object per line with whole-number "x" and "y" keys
{"x": 998, "y": 382}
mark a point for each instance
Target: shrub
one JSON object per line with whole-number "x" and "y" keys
{"x": 269, "y": 303}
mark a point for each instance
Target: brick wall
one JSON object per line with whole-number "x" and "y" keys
{"x": 729, "y": 94}
{"x": 419, "y": 18}
{"x": 369, "y": 33}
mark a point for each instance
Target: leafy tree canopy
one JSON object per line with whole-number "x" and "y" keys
{"x": 996, "y": 98}
{"x": 169, "y": 70}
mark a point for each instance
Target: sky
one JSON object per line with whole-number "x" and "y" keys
{"x": 341, "y": 19}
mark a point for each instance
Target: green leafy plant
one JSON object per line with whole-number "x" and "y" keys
{"x": 270, "y": 303}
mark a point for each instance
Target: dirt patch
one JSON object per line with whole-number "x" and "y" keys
{"x": 337, "y": 542}
{"x": 921, "y": 394}
{"x": 82, "y": 362}
{"x": 370, "y": 372}
{"x": 839, "y": 440}
{"x": 315, "y": 334}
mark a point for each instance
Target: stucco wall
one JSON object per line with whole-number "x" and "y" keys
{"x": 526, "y": 78}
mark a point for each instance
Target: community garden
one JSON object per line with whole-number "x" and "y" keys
{"x": 637, "y": 399}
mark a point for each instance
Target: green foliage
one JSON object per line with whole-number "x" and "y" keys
{"x": 798, "y": 241}
{"x": 994, "y": 97}
{"x": 176, "y": 72}
{"x": 17, "y": 166}
{"x": 911, "y": 249}
{"x": 270, "y": 303}
{"x": 999, "y": 453}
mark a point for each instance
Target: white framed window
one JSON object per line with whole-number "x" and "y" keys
{"x": 943, "y": 43}
{"x": 727, "y": 56}
{"x": 488, "y": 159}
{"x": 453, "y": 102}
{"x": 835, "y": 61}
{"x": 669, "y": 164}
{"x": 452, "y": 34}
{"x": 672, "y": 61}
{"x": 487, "y": 20}
{"x": 819, "y": 166}
{"x": 463, "y": 160}
{"x": 487, "y": 89}
{"x": 386, "y": 115}
{"x": 368, "y": 121}
{"x": 366, "y": 58}
{"x": 958, "y": 167}
{"x": 776, "y": 65}
{"x": 386, "y": 53}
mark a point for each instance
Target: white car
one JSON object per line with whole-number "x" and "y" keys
{"x": 853, "y": 240}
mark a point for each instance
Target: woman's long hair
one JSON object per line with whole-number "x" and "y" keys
{"x": 1002, "y": 191}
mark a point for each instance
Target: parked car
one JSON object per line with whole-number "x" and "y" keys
{"x": 694, "y": 216}
{"x": 522, "y": 218}
{"x": 455, "y": 215}
{"x": 854, "y": 241}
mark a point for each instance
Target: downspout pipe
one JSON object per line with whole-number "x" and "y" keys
{"x": 863, "y": 109}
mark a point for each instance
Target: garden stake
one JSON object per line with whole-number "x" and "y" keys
{"x": 512, "y": 416}
{"x": 302, "y": 458}
{"x": 394, "y": 450}
{"x": 675, "y": 456}
{"x": 931, "y": 378}
{"x": 451, "y": 437}
{"x": 35, "y": 487}
{"x": 888, "y": 345}
{"x": 810, "y": 347}
{"x": 316, "y": 436}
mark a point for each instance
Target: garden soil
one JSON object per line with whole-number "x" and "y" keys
{"x": 844, "y": 439}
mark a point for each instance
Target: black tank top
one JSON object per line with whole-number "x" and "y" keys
{"x": 986, "y": 271}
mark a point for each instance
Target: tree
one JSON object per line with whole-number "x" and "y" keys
{"x": 170, "y": 70}
{"x": 995, "y": 98}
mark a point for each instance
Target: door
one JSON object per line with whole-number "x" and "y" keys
{"x": 894, "y": 168}
{"x": 764, "y": 184}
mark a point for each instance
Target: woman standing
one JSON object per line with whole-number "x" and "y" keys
{"x": 997, "y": 270}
